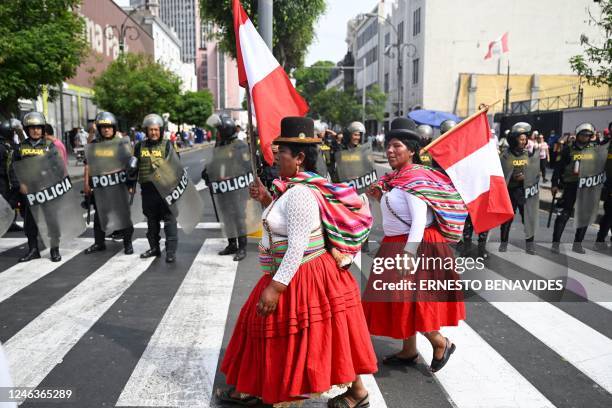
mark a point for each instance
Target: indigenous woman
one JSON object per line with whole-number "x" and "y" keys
{"x": 302, "y": 329}
{"x": 422, "y": 212}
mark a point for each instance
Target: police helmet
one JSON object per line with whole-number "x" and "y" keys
{"x": 33, "y": 119}
{"x": 153, "y": 119}
{"x": 447, "y": 125}
{"x": 585, "y": 128}
{"x": 6, "y": 130}
{"x": 355, "y": 127}
{"x": 521, "y": 128}
{"x": 426, "y": 133}
{"x": 227, "y": 126}
{"x": 16, "y": 124}
{"x": 106, "y": 119}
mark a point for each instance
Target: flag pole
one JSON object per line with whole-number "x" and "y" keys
{"x": 252, "y": 138}
{"x": 482, "y": 108}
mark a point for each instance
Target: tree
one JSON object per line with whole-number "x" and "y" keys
{"x": 193, "y": 108}
{"x": 596, "y": 63}
{"x": 343, "y": 107}
{"x": 41, "y": 44}
{"x": 134, "y": 85}
{"x": 312, "y": 80}
{"x": 293, "y": 26}
{"x": 375, "y": 104}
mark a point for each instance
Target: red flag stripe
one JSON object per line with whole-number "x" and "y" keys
{"x": 481, "y": 209}
{"x": 240, "y": 17}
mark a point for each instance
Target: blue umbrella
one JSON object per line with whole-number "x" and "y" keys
{"x": 431, "y": 117}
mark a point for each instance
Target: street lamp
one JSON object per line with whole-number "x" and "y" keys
{"x": 410, "y": 49}
{"x": 123, "y": 30}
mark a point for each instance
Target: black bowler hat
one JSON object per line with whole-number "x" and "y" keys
{"x": 297, "y": 129}
{"x": 403, "y": 128}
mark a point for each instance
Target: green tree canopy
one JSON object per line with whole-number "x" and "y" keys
{"x": 293, "y": 26}
{"x": 375, "y": 104}
{"x": 596, "y": 63}
{"x": 193, "y": 108}
{"x": 134, "y": 85}
{"x": 312, "y": 80}
{"x": 339, "y": 107}
{"x": 41, "y": 43}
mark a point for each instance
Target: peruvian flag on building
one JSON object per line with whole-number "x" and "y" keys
{"x": 498, "y": 47}
{"x": 273, "y": 96}
{"x": 468, "y": 154}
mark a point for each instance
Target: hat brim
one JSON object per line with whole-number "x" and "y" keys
{"x": 403, "y": 134}
{"x": 306, "y": 140}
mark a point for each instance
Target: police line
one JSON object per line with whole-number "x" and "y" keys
{"x": 232, "y": 184}
{"x": 50, "y": 193}
{"x": 592, "y": 181}
{"x": 107, "y": 180}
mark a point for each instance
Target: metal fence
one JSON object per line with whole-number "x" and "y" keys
{"x": 575, "y": 100}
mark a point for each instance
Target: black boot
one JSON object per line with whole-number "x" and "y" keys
{"x": 151, "y": 252}
{"x": 240, "y": 254}
{"x": 482, "y": 250}
{"x": 128, "y": 249}
{"x": 95, "y": 248}
{"x": 170, "y": 257}
{"x": 530, "y": 247}
{"x": 230, "y": 249}
{"x": 55, "y": 255}
{"x": 504, "y": 236}
{"x": 32, "y": 254}
{"x": 465, "y": 246}
{"x": 555, "y": 248}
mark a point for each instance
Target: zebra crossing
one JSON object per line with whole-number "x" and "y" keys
{"x": 128, "y": 332}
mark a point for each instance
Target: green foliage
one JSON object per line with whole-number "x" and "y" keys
{"x": 134, "y": 85}
{"x": 340, "y": 107}
{"x": 293, "y": 31}
{"x": 375, "y": 104}
{"x": 312, "y": 80}
{"x": 193, "y": 108}
{"x": 596, "y": 63}
{"x": 41, "y": 44}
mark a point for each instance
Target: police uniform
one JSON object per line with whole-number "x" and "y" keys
{"x": 566, "y": 176}
{"x": 9, "y": 185}
{"x": 148, "y": 152}
{"x": 108, "y": 119}
{"x": 516, "y": 159}
{"x": 605, "y": 223}
{"x": 27, "y": 149}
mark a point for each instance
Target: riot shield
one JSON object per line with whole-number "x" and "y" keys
{"x": 356, "y": 167}
{"x": 51, "y": 197}
{"x": 531, "y": 184}
{"x": 229, "y": 175}
{"x": 592, "y": 177}
{"x": 507, "y": 166}
{"x": 107, "y": 163}
{"x": 7, "y": 215}
{"x": 321, "y": 165}
{"x": 178, "y": 192}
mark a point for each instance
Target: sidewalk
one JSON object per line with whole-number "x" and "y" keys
{"x": 75, "y": 170}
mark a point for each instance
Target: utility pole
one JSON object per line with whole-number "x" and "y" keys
{"x": 507, "y": 110}
{"x": 265, "y": 14}
{"x": 363, "y": 93}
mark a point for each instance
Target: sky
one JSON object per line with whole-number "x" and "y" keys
{"x": 330, "y": 31}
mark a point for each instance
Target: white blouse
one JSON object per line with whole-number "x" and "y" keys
{"x": 293, "y": 217}
{"x": 411, "y": 209}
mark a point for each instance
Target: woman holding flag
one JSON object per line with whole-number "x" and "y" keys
{"x": 422, "y": 212}
{"x": 302, "y": 329}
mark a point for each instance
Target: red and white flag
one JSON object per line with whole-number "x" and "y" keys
{"x": 272, "y": 93}
{"x": 469, "y": 156}
{"x": 498, "y": 47}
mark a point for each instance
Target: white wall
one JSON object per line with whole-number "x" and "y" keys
{"x": 543, "y": 35}
{"x": 167, "y": 51}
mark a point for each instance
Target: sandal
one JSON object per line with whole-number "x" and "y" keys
{"x": 436, "y": 365}
{"x": 395, "y": 360}
{"x": 226, "y": 396}
{"x": 341, "y": 402}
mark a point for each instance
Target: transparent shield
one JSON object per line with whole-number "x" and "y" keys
{"x": 6, "y": 216}
{"x": 356, "y": 167}
{"x": 532, "y": 194}
{"x": 590, "y": 183}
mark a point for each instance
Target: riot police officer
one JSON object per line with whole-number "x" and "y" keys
{"x": 514, "y": 160}
{"x": 9, "y": 186}
{"x": 35, "y": 145}
{"x": 106, "y": 125}
{"x": 226, "y": 135}
{"x": 605, "y": 223}
{"x": 566, "y": 176}
{"x": 149, "y": 153}
{"x": 426, "y": 134}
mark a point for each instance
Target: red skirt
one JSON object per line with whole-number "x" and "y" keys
{"x": 315, "y": 339}
{"x": 401, "y": 314}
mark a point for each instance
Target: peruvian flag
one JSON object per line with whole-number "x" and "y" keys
{"x": 273, "y": 96}
{"x": 468, "y": 154}
{"x": 498, "y": 47}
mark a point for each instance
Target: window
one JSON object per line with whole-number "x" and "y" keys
{"x": 400, "y": 32}
{"x": 387, "y": 40}
{"x": 369, "y": 32}
{"x": 415, "y": 71}
{"x": 416, "y": 26}
{"x": 387, "y": 82}
{"x": 370, "y": 57}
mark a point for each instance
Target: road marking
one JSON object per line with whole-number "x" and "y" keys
{"x": 201, "y": 225}
{"x": 9, "y": 243}
{"x": 591, "y": 257}
{"x": 201, "y": 185}
{"x": 43, "y": 343}
{"x": 20, "y": 275}
{"x": 476, "y": 372}
{"x": 179, "y": 365}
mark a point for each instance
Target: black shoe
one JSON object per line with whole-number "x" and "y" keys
{"x": 530, "y": 248}
{"x": 577, "y": 248}
{"x": 32, "y": 254}
{"x": 240, "y": 255}
{"x": 55, "y": 255}
{"x": 600, "y": 246}
{"x": 229, "y": 250}
{"x": 436, "y": 365}
{"x": 555, "y": 248}
{"x": 150, "y": 252}
{"x": 95, "y": 248}
{"x": 503, "y": 247}
{"x": 128, "y": 249}
{"x": 482, "y": 251}
{"x": 170, "y": 258}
